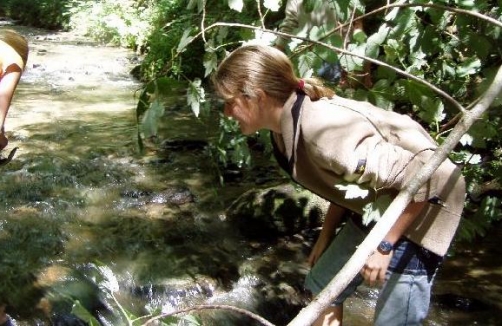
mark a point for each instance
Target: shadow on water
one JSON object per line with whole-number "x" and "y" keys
{"x": 83, "y": 216}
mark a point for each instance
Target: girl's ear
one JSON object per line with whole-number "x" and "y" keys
{"x": 261, "y": 96}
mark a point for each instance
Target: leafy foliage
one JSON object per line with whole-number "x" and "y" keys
{"x": 52, "y": 14}
{"x": 444, "y": 46}
{"x": 451, "y": 45}
{"x": 124, "y": 23}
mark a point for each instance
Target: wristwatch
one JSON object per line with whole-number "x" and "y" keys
{"x": 385, "y": 247}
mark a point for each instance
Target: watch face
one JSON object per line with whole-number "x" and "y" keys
{"x": 385, "y": 247}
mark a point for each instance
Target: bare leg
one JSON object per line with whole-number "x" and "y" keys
{"x": 331, "y": 317}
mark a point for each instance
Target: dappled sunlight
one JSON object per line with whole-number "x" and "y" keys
{"x": 79, "y": 199}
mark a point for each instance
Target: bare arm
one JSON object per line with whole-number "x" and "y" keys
{"x": 404, "y": 221}
{"x": 332, "y": 221}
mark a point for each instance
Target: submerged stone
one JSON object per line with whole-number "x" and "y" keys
{"x": 276, "y": 211}
{"x": 173, "y": 195}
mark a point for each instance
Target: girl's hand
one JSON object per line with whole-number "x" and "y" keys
{"x": 319, "y": 247}
{"x": 375, "y": 268}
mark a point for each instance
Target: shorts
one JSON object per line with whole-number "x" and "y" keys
{"x": 333, "y": 259}
{"x": 405, "y": 295}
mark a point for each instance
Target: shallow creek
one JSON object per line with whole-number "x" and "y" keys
{"x": 84, "y": 216}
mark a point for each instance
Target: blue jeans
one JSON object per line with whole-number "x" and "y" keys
{"x": 405, "y": 296}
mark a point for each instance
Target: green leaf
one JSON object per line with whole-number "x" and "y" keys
{"x": 81, "y": 312}
{"x": 404, "y": 23}
{"x": 481, "y": 131}
{"x": 432, "y": 110}
{"x": 185, "y": 40}
{"x": 386, "y": 73}
{"x": 308, "y": 5}
{"x": 439, "y": 17}
{"x": 210, "y": 63}
{"x": 376, "y": 40}
{"x": 344, "y": 8}
{"x": 351, "y": 63}
{"x": 143, "y": 104}
{"x": 359, "y": 36}
{"x": 468, "y": 4}
{"x": 381, "y": 94}
{"x": 393, "y": 50}
{"x": 479, "y": 45}
{"x": 153, "y": 90}
{"x": 273, "y": 5}
{"x": 246, "y": 34}
{"x": 316, "y": 33}
{"x": 417, "y": 93}
{"x": 236, "y": 5}
{"x": 195, "y": 96}
{"x": 418, "y": 61}
{"x": 151, "y": 118}
{"x": 222, "y": 34}
{"x": 469, "y": 67}
{"x": 447, "y": 69}
{"x": 323, "y": 53}
{"x": 305, "y": 63}
{"x": 193, "y": 3}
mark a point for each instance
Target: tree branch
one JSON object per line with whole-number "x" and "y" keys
{"x": 435, "y": 6}
{"x": 260, "y": 319}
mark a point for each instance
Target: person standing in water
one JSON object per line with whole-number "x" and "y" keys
{"x": 13, "y": 57}
{"x": 325, "y": 141}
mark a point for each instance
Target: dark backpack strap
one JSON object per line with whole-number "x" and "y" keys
{"x": 279, "y": 157}
{"x": 285, "y": 163}
{"x": 295, "y": 112}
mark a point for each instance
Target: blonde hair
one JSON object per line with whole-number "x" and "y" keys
{"x": 253, "y": 67}
{"x": 16, "y": 42}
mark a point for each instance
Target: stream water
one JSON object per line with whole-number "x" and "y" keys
{"x": 85, "y": 221}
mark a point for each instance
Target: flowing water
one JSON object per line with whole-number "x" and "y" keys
{"x": 85, "y": 221}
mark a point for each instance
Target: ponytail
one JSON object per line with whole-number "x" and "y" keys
{"x": 314, "y": 88}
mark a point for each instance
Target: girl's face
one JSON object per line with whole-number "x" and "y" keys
{"x": 245, "y": 110}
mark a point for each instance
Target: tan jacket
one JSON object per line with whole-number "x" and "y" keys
{"x": 343, "y": 141}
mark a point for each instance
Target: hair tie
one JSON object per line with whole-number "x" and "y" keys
{"x": 301, "y": 85}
